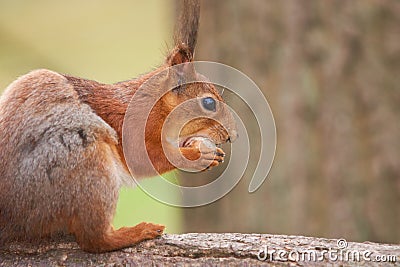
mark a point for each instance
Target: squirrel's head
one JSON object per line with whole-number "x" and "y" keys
{"x": 179, "y": 107}
{"x": 194, "y": 104}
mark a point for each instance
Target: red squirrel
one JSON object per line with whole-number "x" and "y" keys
{"x": 61, "y": 152}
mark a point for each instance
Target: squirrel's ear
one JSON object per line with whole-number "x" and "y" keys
{"x": 181, "y": 72}
{"x": 180, "y": 54}
{"x": 180, "y": 58}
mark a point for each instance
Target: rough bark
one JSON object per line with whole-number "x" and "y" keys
{"x": 195, "y": 250}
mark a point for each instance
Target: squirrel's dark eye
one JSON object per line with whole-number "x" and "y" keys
{"x": 209, "y": 103}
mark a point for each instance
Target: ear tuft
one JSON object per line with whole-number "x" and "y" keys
{"x": 180, "y": 54}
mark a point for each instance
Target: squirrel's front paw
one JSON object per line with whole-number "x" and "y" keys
{"x": 148, "y": 230}
{"x": 202, "y": 154}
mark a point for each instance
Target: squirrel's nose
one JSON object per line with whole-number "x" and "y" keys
{"x": 232, "y": 136}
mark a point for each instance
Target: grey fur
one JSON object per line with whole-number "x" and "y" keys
{"x": 51, "y": 163}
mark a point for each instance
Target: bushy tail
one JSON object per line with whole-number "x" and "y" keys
{"x": 187, "y": 25}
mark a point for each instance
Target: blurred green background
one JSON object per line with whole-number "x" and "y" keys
{"x": 329, "y": 69}
{"x": 107, "y": 41}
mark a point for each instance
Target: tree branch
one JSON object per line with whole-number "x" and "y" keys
{"x": 205, "y": 249}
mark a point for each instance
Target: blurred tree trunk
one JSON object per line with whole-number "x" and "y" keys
{"x": 330, "y": 71}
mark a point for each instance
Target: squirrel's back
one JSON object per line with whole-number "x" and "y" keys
{"x": 48, "y": 138}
